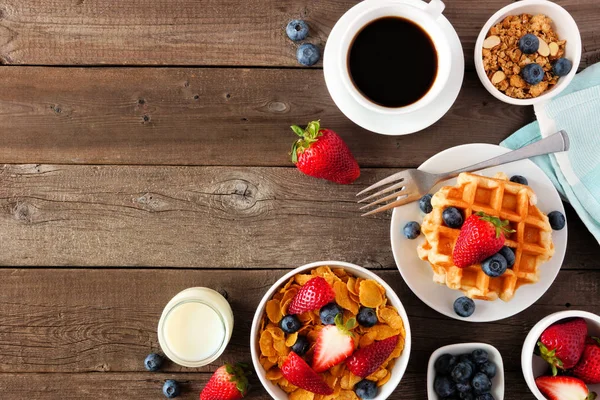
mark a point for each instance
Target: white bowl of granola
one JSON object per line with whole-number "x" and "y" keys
{"x": 499, "y": 61}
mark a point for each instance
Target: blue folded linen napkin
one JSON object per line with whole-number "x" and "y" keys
{"x": 575, "y": 173}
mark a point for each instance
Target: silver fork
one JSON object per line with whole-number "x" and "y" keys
{"x": 411, "y": 184}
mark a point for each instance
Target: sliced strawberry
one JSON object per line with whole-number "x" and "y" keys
{"x": 368, "y": 359}
{"x": 298, "y": 373}
{"x": 563, "y": 388}
{"x": 313, "y": 295}
{"x": 480, "y": 237}
{"x": 227, "y": 383}
{"x": 588, "y": 367}
{"x": 561, "y": 344}
{"x": 334, "y": 344}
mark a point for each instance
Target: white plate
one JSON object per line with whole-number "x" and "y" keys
{"x": 418, "y": 274}
{"x": 383, "y": 123}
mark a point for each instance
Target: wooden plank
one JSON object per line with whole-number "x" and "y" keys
{"x": 227, "y": 217}
{"x": 215, "y": 32}
{"x": 210, "y": 117}
{"x": 67, "y": 322}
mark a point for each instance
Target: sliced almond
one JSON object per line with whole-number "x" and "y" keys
{"x": 498, "y": 77}
{"x": 553, "y": 49}
{"x": 544, "y": 49}
{"x": 491, "y": 42}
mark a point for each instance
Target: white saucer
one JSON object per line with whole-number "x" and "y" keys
{"x": 391, "y": 124}
{"x": 418, "y": 274}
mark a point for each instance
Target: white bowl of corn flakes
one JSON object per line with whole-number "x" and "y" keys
{"x": 502, "y": 60}
{"x": 371, "y": 327}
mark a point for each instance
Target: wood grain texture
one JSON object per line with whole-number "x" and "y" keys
{"x": 206, "y": 32}
{"x": 210, "y": 117}
{"x": 68, "y": 321}
{"x": 227, "y": 217}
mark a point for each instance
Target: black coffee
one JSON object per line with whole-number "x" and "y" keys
{"x": 393, "y": 62}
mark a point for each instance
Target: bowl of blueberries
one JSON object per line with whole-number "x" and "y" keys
{"x": 466, "y": 371}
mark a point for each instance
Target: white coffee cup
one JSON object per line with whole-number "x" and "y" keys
{"x": 426, "y": 19}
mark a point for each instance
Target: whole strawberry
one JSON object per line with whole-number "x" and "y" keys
{"x": 367, "y": 360}
{"x": 561, "y": 345}
{"x": 313, "y": 295}
{"x": 481, "y": 236}
{"x": 227, "y": 383}
{"x": 298, "y": 373}
{"x": 321, "y": 153}
{"x": 588, "y": 367}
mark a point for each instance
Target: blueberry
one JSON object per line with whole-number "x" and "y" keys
{"x": 488, "y": 368}
{"x": 529, "y": 43}
{"x": 495, "y": 265}
{"x": 557, "y": 220}
{"x": 444, "y": 386}
{"x": 562, "y": 67}
{"x": 464, "y": 306}
{"x": 425, "y": 204}
{"x": 443, "y": 365}
{"x": 153, "y": 362}
{"x": 532, "y": 73}
{"x": 301, "y": 346}
{"x": 519, "y": 179}
{"x": 308, "y": 54}
{"x": 171, "y": 389}
{"x": 412, "y": 230}
{"x": 366, "y": 317}
{"x": 485, "y": 396}
{"x": 479, "y": 356}
{"x": 366, "y": 389}
{"x": 328, "y": 313}
{"x": 467, "y": 358}
{"x": 509, "y": 255}
{"x": 463, "y": 387}
{"x": 452, "y": 217}
{"x": 462, "y": 372}
{"x": 297, "y": 30}
{"x": 290, "y": 324}
{"x": 467, "y": 396}
{"x": 481, "y": 383}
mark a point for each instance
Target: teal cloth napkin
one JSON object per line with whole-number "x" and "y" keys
{"x": 576, "y": 173}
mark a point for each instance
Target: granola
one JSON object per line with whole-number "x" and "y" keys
{"x": 503, "y": 60}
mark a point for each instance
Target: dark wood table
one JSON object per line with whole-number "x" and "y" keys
{"x": 145, "y": 148}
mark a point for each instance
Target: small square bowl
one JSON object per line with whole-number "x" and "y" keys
{"x": 462, "y": 348}
{"x": 563, "y": 24}
{"x": 401, "y": 363}
{"x": 534, "y": 366}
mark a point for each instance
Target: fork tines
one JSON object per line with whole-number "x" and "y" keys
{"x": 400, "y": 184}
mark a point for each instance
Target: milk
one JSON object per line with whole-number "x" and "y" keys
{"x": 195, "y": 327}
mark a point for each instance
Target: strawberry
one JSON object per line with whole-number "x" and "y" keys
{"x": 298, "y": 373}
{"x": 227, "y": 383}
{"x": 313, "y": 295}
{"x": 321, "y": 153}
{"x": 588, "y": 367}
{"x": 561, "y": 345}
{"x": 563, "y": 388}
{"x": 334, "y": 344}
{"x": 368, "y": 359}
{"x": 480, "y": 237}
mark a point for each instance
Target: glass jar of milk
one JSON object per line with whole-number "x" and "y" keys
{"x": 195, "y": 327}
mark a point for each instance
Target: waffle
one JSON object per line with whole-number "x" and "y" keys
{"x": 531, "y": 241}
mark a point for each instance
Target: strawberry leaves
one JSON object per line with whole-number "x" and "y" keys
{"x": 499, "y": 225}
{"x": 307, "y": 136}
{"x": 550, "y": 357}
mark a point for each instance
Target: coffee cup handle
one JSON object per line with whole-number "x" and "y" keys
{"x": 435, "y": 8}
